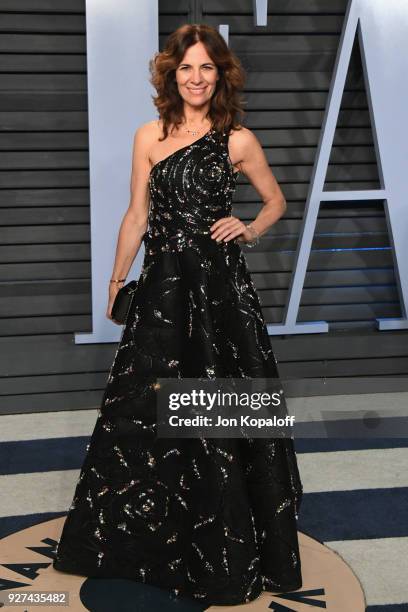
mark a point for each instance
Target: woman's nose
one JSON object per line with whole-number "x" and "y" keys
{"x": 196, "y": 78}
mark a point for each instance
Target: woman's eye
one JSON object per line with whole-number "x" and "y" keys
{"x": 205, "y": 67}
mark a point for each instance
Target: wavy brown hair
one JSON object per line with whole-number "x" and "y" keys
{"x": 226, "y": 103}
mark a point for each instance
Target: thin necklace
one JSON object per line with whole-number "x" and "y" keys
{"x": 195, "y": 132}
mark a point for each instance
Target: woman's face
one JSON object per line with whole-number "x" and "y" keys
{"x": 196, "y": 76}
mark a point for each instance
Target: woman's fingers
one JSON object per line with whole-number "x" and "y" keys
{"x": 227, "y": 228}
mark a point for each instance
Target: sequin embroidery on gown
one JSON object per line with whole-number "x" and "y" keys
{"x": 214, "y": 519}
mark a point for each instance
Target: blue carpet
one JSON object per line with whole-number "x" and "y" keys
{"x": 53, "y": 454}
{"x": 354, "y": 515}
{"x": 11, "y": 524}
{"x": 388, "y": 608}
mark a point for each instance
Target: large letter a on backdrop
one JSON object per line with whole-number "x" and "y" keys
{"x": 382, "y": 31}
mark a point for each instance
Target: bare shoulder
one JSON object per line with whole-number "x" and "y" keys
{"x": 149, "y": 131}
{"x": 243, "y": 146}
{"x": 242, "y": 138}
{"x": 145, "y": 137}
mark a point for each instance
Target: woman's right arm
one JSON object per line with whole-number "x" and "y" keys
{"x": 134, "y": 222}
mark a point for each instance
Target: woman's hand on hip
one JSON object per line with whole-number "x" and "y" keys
{"x": 228, "y": 228}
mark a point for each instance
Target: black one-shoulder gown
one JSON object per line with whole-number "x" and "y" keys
{"x": 215, "y": 518}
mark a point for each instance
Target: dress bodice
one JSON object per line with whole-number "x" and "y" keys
{"x": 189, "y": 190}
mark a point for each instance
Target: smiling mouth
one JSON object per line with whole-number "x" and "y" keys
{"x": 198, "y": 90}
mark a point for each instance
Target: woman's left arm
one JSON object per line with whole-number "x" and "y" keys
{"x": 246, "y": 149}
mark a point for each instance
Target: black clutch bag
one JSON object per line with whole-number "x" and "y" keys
{"x": 123, "y": 302}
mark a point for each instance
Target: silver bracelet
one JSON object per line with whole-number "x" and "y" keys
{"x": 255, "y": 239}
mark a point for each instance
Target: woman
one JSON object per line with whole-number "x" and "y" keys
{"x": 215, "y": 519}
